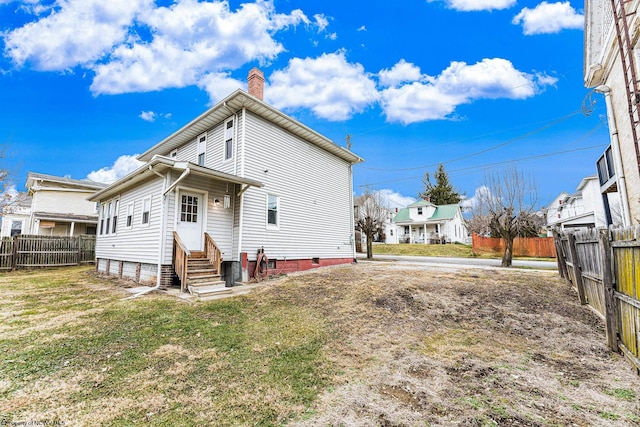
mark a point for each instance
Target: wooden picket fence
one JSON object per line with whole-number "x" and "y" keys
{"x": 604, "y": 267}
{"x": 29, "y": 251}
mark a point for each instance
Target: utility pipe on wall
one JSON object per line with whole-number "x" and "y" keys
{"x": 615, "y": 144}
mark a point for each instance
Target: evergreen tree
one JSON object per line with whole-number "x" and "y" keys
{"x": 440, "y": 192}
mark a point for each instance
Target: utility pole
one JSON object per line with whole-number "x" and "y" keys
{"x": 348, "y": 139}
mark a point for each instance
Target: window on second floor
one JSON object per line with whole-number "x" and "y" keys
{"x": 419, "y": 211}
{"x": 202, "y": 148}
{"x": 228, "y": 139}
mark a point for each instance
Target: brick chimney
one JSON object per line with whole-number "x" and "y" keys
{"x": 256, "y": 83}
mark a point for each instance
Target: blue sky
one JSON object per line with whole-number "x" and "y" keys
{"x": 474, "y": 84}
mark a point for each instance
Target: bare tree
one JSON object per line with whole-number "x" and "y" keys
{"x": 8, "y": 194}
{"x": 478, "y": 220}
{"x": 370, "y": 214}
{"x": 508, "y": 205}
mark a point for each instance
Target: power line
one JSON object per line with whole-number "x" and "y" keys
{"x": 502, "y": 144}
{"x": 490, "y": 165}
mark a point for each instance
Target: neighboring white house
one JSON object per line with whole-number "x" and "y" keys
{"x": 242, "y": 175}
{"x": 582, "y": 209}
{"x": 55, "y": 206}
{"x": 424, "y": 222}
{"x": 605, "y": 44}
{"x": 15, "y": 216}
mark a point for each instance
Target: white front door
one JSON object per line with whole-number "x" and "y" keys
{"x": 189, "y": 221}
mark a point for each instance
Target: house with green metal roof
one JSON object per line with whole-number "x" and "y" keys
{"x": 424, "y": 222}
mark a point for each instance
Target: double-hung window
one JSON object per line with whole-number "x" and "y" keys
{"x": 273, "y": 205}
{"x": 202, "y": 148}
{"x": 146, "y": 210}
{"x": 103, "y": 215}
{"x": 129, "y": 222}
{"x": 228, "y": 139}
{"x": 109, "y": 213}
{"x": 116, "y": 204}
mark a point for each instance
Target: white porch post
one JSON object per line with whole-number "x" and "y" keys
{"x": 73, "y": 226}
{"x": 410, "y": 234}
{"x": 425, "y": 233}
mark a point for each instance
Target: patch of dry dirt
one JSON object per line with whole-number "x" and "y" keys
{"x": 461, "y": 348}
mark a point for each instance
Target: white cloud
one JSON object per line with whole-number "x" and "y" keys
{"x": 219, "y": 85}
{"x": 192, "y": 40}
{"x": 393, "y": 199}
{"x": 401, "y": 72}
{"x": 548, "y": 18}
{"x": 148, "y": 116}
{"x": 332, "y": 36}
{"x": 436, "y": 98}
{"x": 330, "y": 86}
{"x": 120, "y": 168}
{"x": 136, "y": 46}
{"x": 362, "y": 28}
{"x": 477, "y": 5}
{"x": 321, "y": 21}
{"x": 77, "y": 32}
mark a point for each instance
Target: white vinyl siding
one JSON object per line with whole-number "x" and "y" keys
{"x": 137, "y": 244}
{"x": 219, "y": 221}
{"x": 313, "y": 187}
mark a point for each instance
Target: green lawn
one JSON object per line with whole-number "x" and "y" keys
{"x": 75, "y": 352}
{"x": 364, "y": 344}
{"x": 449, "y": 250}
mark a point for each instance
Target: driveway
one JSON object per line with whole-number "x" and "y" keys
{"x": 460, "y": 262}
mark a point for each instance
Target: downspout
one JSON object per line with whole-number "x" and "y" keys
{"x": 352, "y": 235}
{"x": 615, "y": 143}
{"x": 241, "y": 201}
{"x": 163, "y": 230}
{"x": 186, "y": 172}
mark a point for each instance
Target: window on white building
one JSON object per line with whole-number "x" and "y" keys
{"x": 228, "y": 139}
{"x": 202, "y": 148}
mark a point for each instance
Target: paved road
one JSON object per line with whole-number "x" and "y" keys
{"x": 461, "y": 262}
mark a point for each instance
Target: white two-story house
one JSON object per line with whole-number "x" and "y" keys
{"x": 54, "y": 206}
{"x": 424, "y": 222}
{"x": 241, "y": 182}
{"x": 612, "y": 68}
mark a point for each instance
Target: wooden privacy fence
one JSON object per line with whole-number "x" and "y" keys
{"x": 27, "y": 251}
{"x": 604, "y": 267}
{"x": 541, "y": 247}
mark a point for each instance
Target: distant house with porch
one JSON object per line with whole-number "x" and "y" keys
{"x": 241, "y": 189}
{"x": 15, "y": 215}
{"x": 424, "y": 222}
{"x": 54, "y": 206}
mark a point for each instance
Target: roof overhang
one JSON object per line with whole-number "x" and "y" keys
{"x": 231, "y": 105}
{"x": 51, "y": 216}
{"x": 161, "y": 165}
